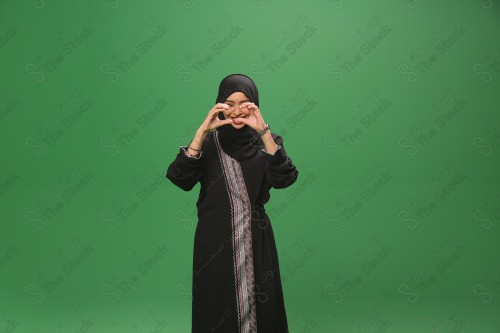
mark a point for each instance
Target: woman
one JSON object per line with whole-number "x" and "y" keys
{"x": 236, "y": 278}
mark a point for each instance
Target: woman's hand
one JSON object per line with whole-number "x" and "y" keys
{"x": 254, "y": 119}
{"x": 256, "y": 122}
{"x": 211, "y": 122}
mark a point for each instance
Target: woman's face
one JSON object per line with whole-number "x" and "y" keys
{"x": 235, "y": 110}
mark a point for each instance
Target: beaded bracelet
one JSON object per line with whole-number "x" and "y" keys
{"x": 189, "y": 146}
{"x": 264, "y": 130}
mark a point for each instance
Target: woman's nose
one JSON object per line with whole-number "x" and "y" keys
{"x": 236, "y": 109}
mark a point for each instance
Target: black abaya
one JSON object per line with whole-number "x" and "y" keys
{"x": 236, "y": 276}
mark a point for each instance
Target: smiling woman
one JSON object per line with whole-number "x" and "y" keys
{"x": 237, "y": 160}
{"x": 237, "y": 108}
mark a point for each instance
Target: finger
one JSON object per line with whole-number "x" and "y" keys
{"x": 246, "y": 104}
{"x": 219, "y": 107}
{"x": 253, "y": 108}
{"x": 223, "y": 122}
{"x": 215, "y": 112}
{"x": 242, "y": 120}
{"x": 253, "y": 113}
{"x": 226, "y": 121}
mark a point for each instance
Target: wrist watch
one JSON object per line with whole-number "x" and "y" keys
{"x": 264, "y": 130}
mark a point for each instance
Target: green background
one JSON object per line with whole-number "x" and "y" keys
{"x": 389, "y": 110}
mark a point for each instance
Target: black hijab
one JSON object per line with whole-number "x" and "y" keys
{"x": 240, "y": 144}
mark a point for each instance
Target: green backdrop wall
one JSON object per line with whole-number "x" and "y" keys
{"x": 389, "y": 109}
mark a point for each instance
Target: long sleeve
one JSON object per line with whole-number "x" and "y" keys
{"x": 280, "y": 172}
{"x": 184, "y": 171}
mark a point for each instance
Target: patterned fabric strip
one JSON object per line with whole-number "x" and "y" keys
{"x": 242, "y": 240}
